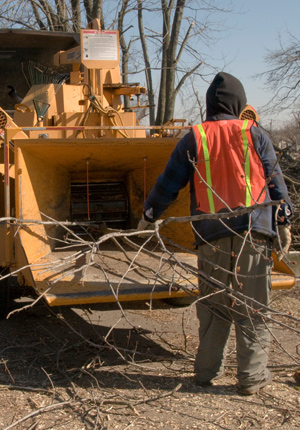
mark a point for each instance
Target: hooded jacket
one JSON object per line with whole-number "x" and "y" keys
{"x": 225, "y": 99}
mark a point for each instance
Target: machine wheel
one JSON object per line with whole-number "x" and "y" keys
{"x": 4, "y": 295}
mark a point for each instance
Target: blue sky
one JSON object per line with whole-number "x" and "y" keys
{"x": 255, "y": 30}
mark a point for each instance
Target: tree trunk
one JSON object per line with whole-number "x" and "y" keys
{"x": 97, "y": 12}
{"x": 172, "y": 62}
{"x": 37, "y": 16}
{"x": 49, "y": 13}
{"x": 148, "y": 73}
{"x": 76, "y": 15}
{"x": 88, "y": 6}
{"x": 62, "y": 22}
{"x": 166, "y": 11}
{"x": 124, "y": 48}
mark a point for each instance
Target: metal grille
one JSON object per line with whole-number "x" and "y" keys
{"x": 101, "y": 202}
{"x": 249, "y": 113}
{"x": 3, "y": 120}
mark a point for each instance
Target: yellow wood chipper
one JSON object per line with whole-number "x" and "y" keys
{"x": 76, "y": 167}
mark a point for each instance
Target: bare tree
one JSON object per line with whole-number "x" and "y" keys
{"x": 163, "y": 44}
{"x": 283, "y": 75}
{"x": 193, "y": 103}
{"x": 94, "y": 9}
{"x": 172, "y": 56}
{"x": 125, "y": 47}
{"x": 283, "y": 79}
{"x": 148, "y": 74}
{"x": 176, "y": 47}
{"x": 51, "y": 15}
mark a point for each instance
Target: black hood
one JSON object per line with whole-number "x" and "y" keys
{"x": 225, "y": 95}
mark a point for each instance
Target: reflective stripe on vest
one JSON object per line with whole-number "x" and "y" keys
{"x": 247, "y": 163}
{"x": 229, "y": 171}
{"x": 207, "y": 168}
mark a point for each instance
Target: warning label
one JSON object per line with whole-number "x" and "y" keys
{"x": 100, "y": 45}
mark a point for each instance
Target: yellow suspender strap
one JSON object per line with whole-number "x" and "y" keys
{"x": 207, "y": 169}
{"x": 247, "y": 163}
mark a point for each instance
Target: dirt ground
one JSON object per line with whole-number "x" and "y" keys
{"x": 77, "y": 369}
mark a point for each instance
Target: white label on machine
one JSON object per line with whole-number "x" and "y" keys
{"x": 100, "y": 45}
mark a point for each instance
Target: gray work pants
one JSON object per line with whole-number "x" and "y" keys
{"x": 217, "y": 313}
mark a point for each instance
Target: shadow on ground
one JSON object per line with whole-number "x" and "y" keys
{"x": 40, "y": 348}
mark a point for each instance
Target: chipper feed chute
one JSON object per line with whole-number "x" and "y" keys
{"x": 98, "y": 184}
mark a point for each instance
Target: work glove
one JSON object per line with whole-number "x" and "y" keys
{"x": 283, "y": 214}
{"x": 283, "y": 243}
{"x": 145, "y": 225}
{"x": 147, "y": 221}
{"x": 284, "y": 238}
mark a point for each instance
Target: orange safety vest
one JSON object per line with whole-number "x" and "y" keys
{"x": 229, "y": 170}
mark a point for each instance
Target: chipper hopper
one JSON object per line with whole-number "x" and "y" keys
{"x": 76, "y": 168}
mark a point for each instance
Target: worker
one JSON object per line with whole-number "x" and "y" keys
{"x": 230, "y": 163}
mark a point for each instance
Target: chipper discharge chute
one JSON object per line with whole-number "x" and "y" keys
{"x": 77, "y": 168}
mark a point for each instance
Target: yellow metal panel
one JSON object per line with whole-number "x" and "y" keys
{"x": 72, "y": 280}
{"x": 68, "y": 97}
{"x": 71, "y": 56}
{"x": 281, "y": 266}
{"x": 79, "y": 300}
{"x": 41, "y": 92}
{"x": 40, "y": 187}
{"x": 282, "y": 281}
{"x": 105, "y": 154}
{"x": 26, "y": 118}
{"x": 45, "y": 168}
{"x": 9, "y": 124}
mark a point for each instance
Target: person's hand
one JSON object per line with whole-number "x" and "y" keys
{"x": 284, "y": 241}
{"x": 145, "y": 225}
{"x": 147, "y": 221}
